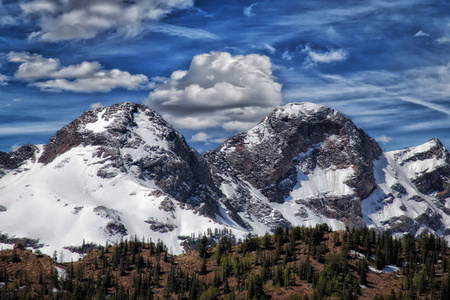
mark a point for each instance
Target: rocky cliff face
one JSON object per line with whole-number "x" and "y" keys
{"x": 303, "y": 138}
{"x": 15, "y": 159}
{"x": 434, "y": 181}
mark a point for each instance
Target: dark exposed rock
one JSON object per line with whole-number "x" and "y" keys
{"x": 435, "y": 181}
{"x": 114, "y": 228}
{"x": 431, "y": 219}
{"x": 429, "y": 182}
{"x": 346, "y": 209}
{"x": 192, "y": 242}
{"x": 438, "y": 151}
{"x": 389, "y": 199}
{"x": 27, "y": 242}
{"x": 167, "y": 205}
{"x": 400, "y": 189}
{"x": 302, "y": 213}
{"x": 107, "y": 213}
{"x": 85, "y": 248}
{"x": 77, "y": 209}
{"x": 160, "y": 227}
{"x": 2, "y": 208}
{"x": 14, "y": 159}
{"x": 416, "y": 198}
{"x": 402, "y": 224}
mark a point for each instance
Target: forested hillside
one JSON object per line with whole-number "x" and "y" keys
{"x": 300, "y": 263}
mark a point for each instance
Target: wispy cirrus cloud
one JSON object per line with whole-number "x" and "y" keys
{"x": 427, "y": 104}
{"x": 3, "y": 79}
{"x": 324, "y": 16}
{"x": 383, "y": 139}
{"x": 314, "y": 57}
{"x": 443, "y": 40}
{"x": 31, "y": 128}
{"x": 396, "y": 104}
{"x": 85, "y": 19}
{"x": 5, "y": 16}
{"x": 421, "y": 33}
{"x": 86, "y": 77}
{"x": 191, "y": 33}
{"x": 421, "y": 85}
{"x": 248, "y": 11}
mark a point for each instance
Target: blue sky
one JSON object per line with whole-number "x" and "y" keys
{"x": 214, "y": 68}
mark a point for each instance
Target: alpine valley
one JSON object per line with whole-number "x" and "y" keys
{"x": 122, "y": 171}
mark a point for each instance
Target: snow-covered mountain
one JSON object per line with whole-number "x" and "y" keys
{"x": 114, "y": 172}
{"x": 122, "y": 171}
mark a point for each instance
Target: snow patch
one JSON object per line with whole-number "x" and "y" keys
{"x": 99, "y": 125}
{"x": 292, "y": 110}
{"x": 358, "y": 254}
{"x": 391, "y": 269}
{"x": 62, "y": 273}
{"x": 375, "y": 270}
{"x": 320, "y": 182}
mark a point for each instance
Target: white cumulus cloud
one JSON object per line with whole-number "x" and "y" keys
{"x": 85, "y": 77}
{"x": 34, "y": 66}
{"x": 314, "y": 57}
{"x": 61, "y": 20}
{"x": 218, "y": 90}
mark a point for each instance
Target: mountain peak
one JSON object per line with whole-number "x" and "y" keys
{"x": 132, "y": 138}
{"x": 297, "y": 109}
{"x": 304, "y": 139}
{"x": 108, "y": 126}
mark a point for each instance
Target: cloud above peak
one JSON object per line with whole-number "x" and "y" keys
{"x": 87, "y": 77}
{"x": 218, "y": 90}
{"x": 61, "y": 20}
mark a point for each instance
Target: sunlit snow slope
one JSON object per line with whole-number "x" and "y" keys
{"x": 115, "y": 182}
